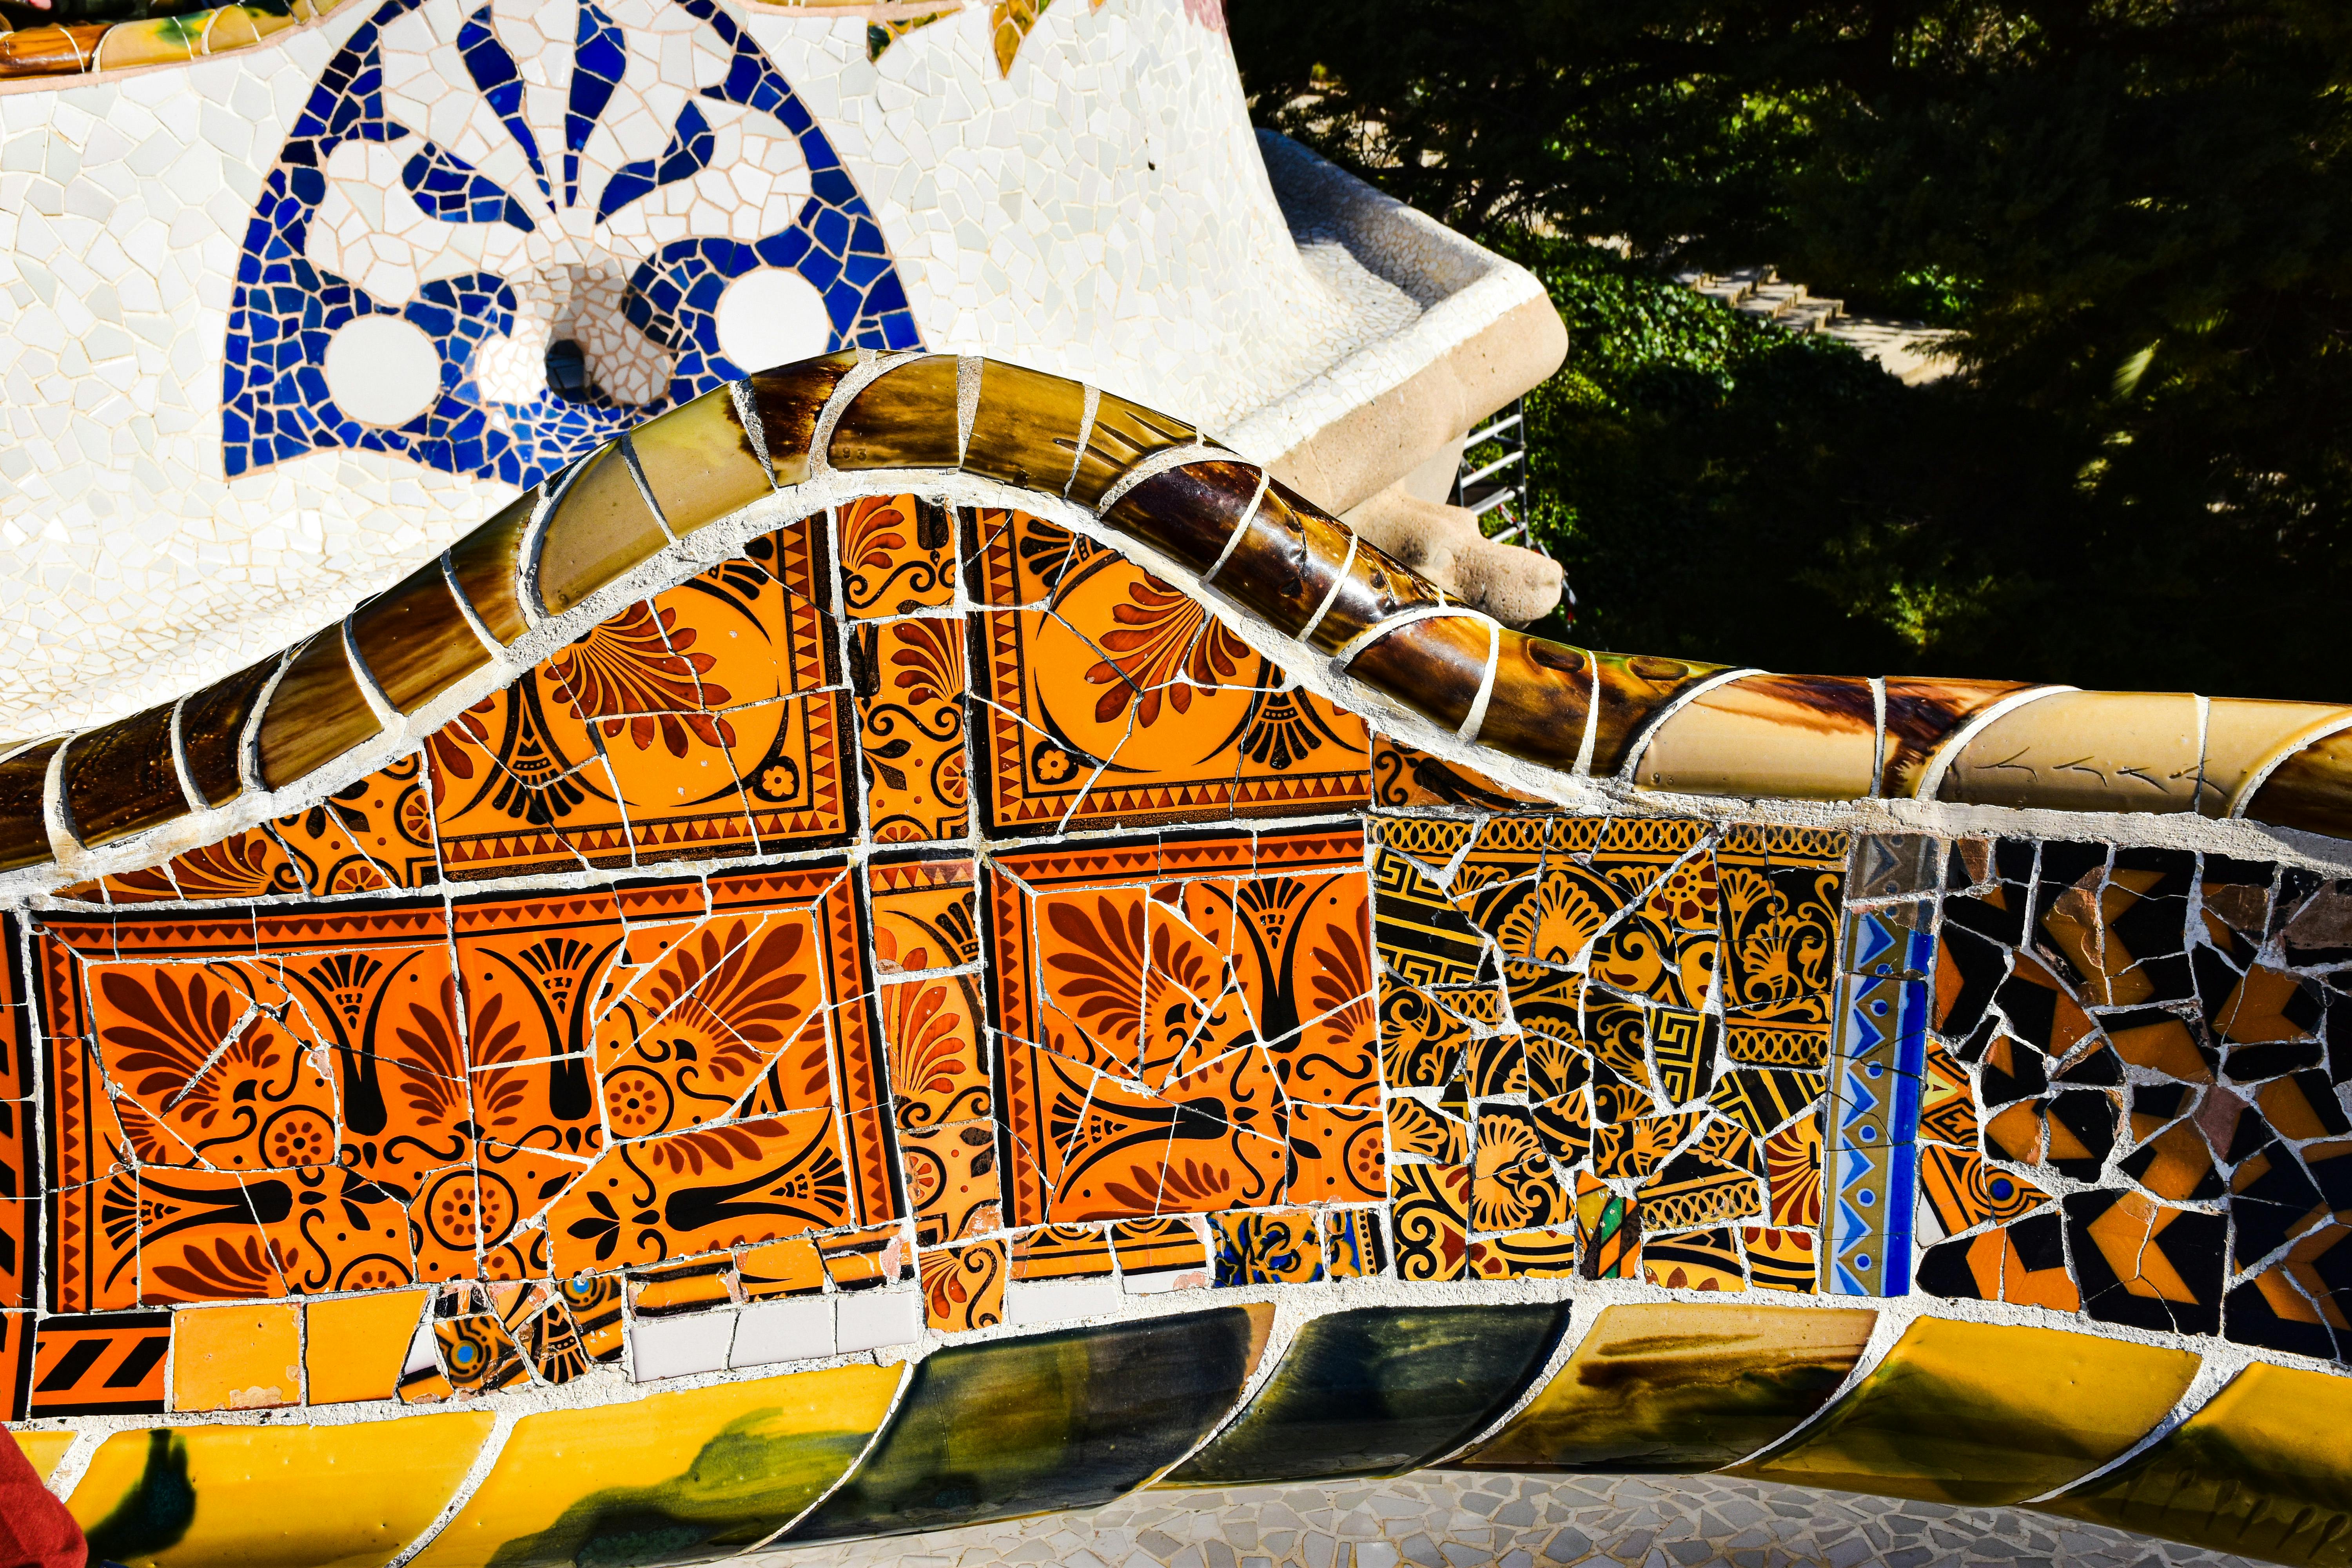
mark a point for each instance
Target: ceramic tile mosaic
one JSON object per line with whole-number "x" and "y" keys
{"x": 648, "y": 1040}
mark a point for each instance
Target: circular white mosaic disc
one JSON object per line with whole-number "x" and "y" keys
{"x": 383, "y": 370}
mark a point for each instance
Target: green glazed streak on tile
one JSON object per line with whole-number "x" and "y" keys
{"x": 1060, "y": 1420}
{"x": 743, "y": 1484}
{"x": 1983, "y": 1414}
{"x": 2264, "y": 1470}
{"x": 1378, "y": 1392}
{"x": 1675, "y": 1389}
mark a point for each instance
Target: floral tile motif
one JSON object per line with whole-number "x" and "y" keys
{"x": 373, "y": 834}
{"x": 909, "y": 679}
{"x": 305, "y": 1112}
{"x": 707, "y": 721}
{"x": 694, "y": 1192}
{"x": 897, "y": 556}
{"x": 1165, "y": 1008}
{"x": 1154, "y": 712}
{"x": 952, "y": 1180}
{"x": 964, "y": 1286}
{"x": 1270, "y": 1246}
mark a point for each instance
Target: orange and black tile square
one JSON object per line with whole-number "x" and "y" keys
{"x": 1223, "y": 996}
{"x": 110, "y": 1365}
{"x": 518, "y": 787}
{"x": 373, "y": 834}
{"x": 657, "y": 1198}
{"x": 909, "y": 679}
{"x": 1119, "y": 700}
{"x": 925, "y": 913}
{"x": 897, "y": 556}
{"x": 938, "y": 1071}
{"x": 1430, "y": 1218}
{"x": 964, "y": 1286}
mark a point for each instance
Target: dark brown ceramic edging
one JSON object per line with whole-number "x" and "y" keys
{"x": 1662, "y": 724}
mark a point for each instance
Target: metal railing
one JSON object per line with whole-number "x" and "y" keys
{"x": 1495, "y": 491}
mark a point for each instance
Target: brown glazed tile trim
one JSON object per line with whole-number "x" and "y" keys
{"x": 1156, "y": 480}
{"x": 85, "y": 49}
{"x": 121, "y": 778}
{"x": 24, "y": 785}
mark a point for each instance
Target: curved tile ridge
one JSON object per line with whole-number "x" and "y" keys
{"x": 81, "y": 48}
{"x": 1655, "y": 724}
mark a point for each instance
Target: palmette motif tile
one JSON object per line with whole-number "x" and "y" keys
{"x": 1157, "y": 1033}
{"x": 1156, "y": 712}
{"x": 707, "y": 721}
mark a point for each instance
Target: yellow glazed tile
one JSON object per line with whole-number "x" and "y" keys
{"x": 710, "y": 1467}
{"x": 1805, "y": 737}
{"x": 44, "y": 1449}
{"x": 2084, "y": 750}
{"x": 699, "y": 462}
{"x": 2241, "y": 736}
{"x": 236, "y": 1358}
{"x": 273, "y": 1496}
{"x": 1984, "y": 1414}
{"x": 601, "y": 528}
{"x": 2264, "y": 1469}
{"x": 356, "y": 1346}
{"x": 1677, "y": 1388}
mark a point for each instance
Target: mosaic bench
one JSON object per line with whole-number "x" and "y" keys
{"x": 912, "y": 942}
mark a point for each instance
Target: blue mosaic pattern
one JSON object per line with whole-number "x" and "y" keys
{"x": 1871, "y": 1166}
{"x": 274, "y": 396}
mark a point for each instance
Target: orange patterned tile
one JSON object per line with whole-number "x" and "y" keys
{"x": 1159, "y": 1246}
{"x": 931, "y": 1028}
{"x": 897, "y": 556}
{"x": 375, "y": 834}
{"x": 964, "y": 1286}
{"x": 697, "y": 1191}
{"x": 1431, "y": 1219}
{"x": 518, "y": 787}
{"x": 789, "y": 1267}
{"x": 952, "y": 1180}
{"x": 201, "y": 1234}
{"x": 1119, "y": 700}
{"x": 248, "y": 865}
{"x": 1062, "y": 1252}
{"x": 1336, "y": 1154}
{"x": 925, "y": 912}
{"x": 909, "y": 679}
{"x": 694, "y": 724}
{"x": 737, "y": 999}
{"x": 226, "y": 1085}
{"x": 1253, "y": 990}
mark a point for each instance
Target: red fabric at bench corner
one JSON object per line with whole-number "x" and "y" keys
{"x": 36, "y": 1531}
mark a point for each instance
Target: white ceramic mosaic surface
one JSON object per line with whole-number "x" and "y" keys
{"x": 1102, "y": 210}
{"x": 1437, "y": 1521}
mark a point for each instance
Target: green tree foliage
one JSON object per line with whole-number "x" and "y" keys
{"x": 2139, "y": 214}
